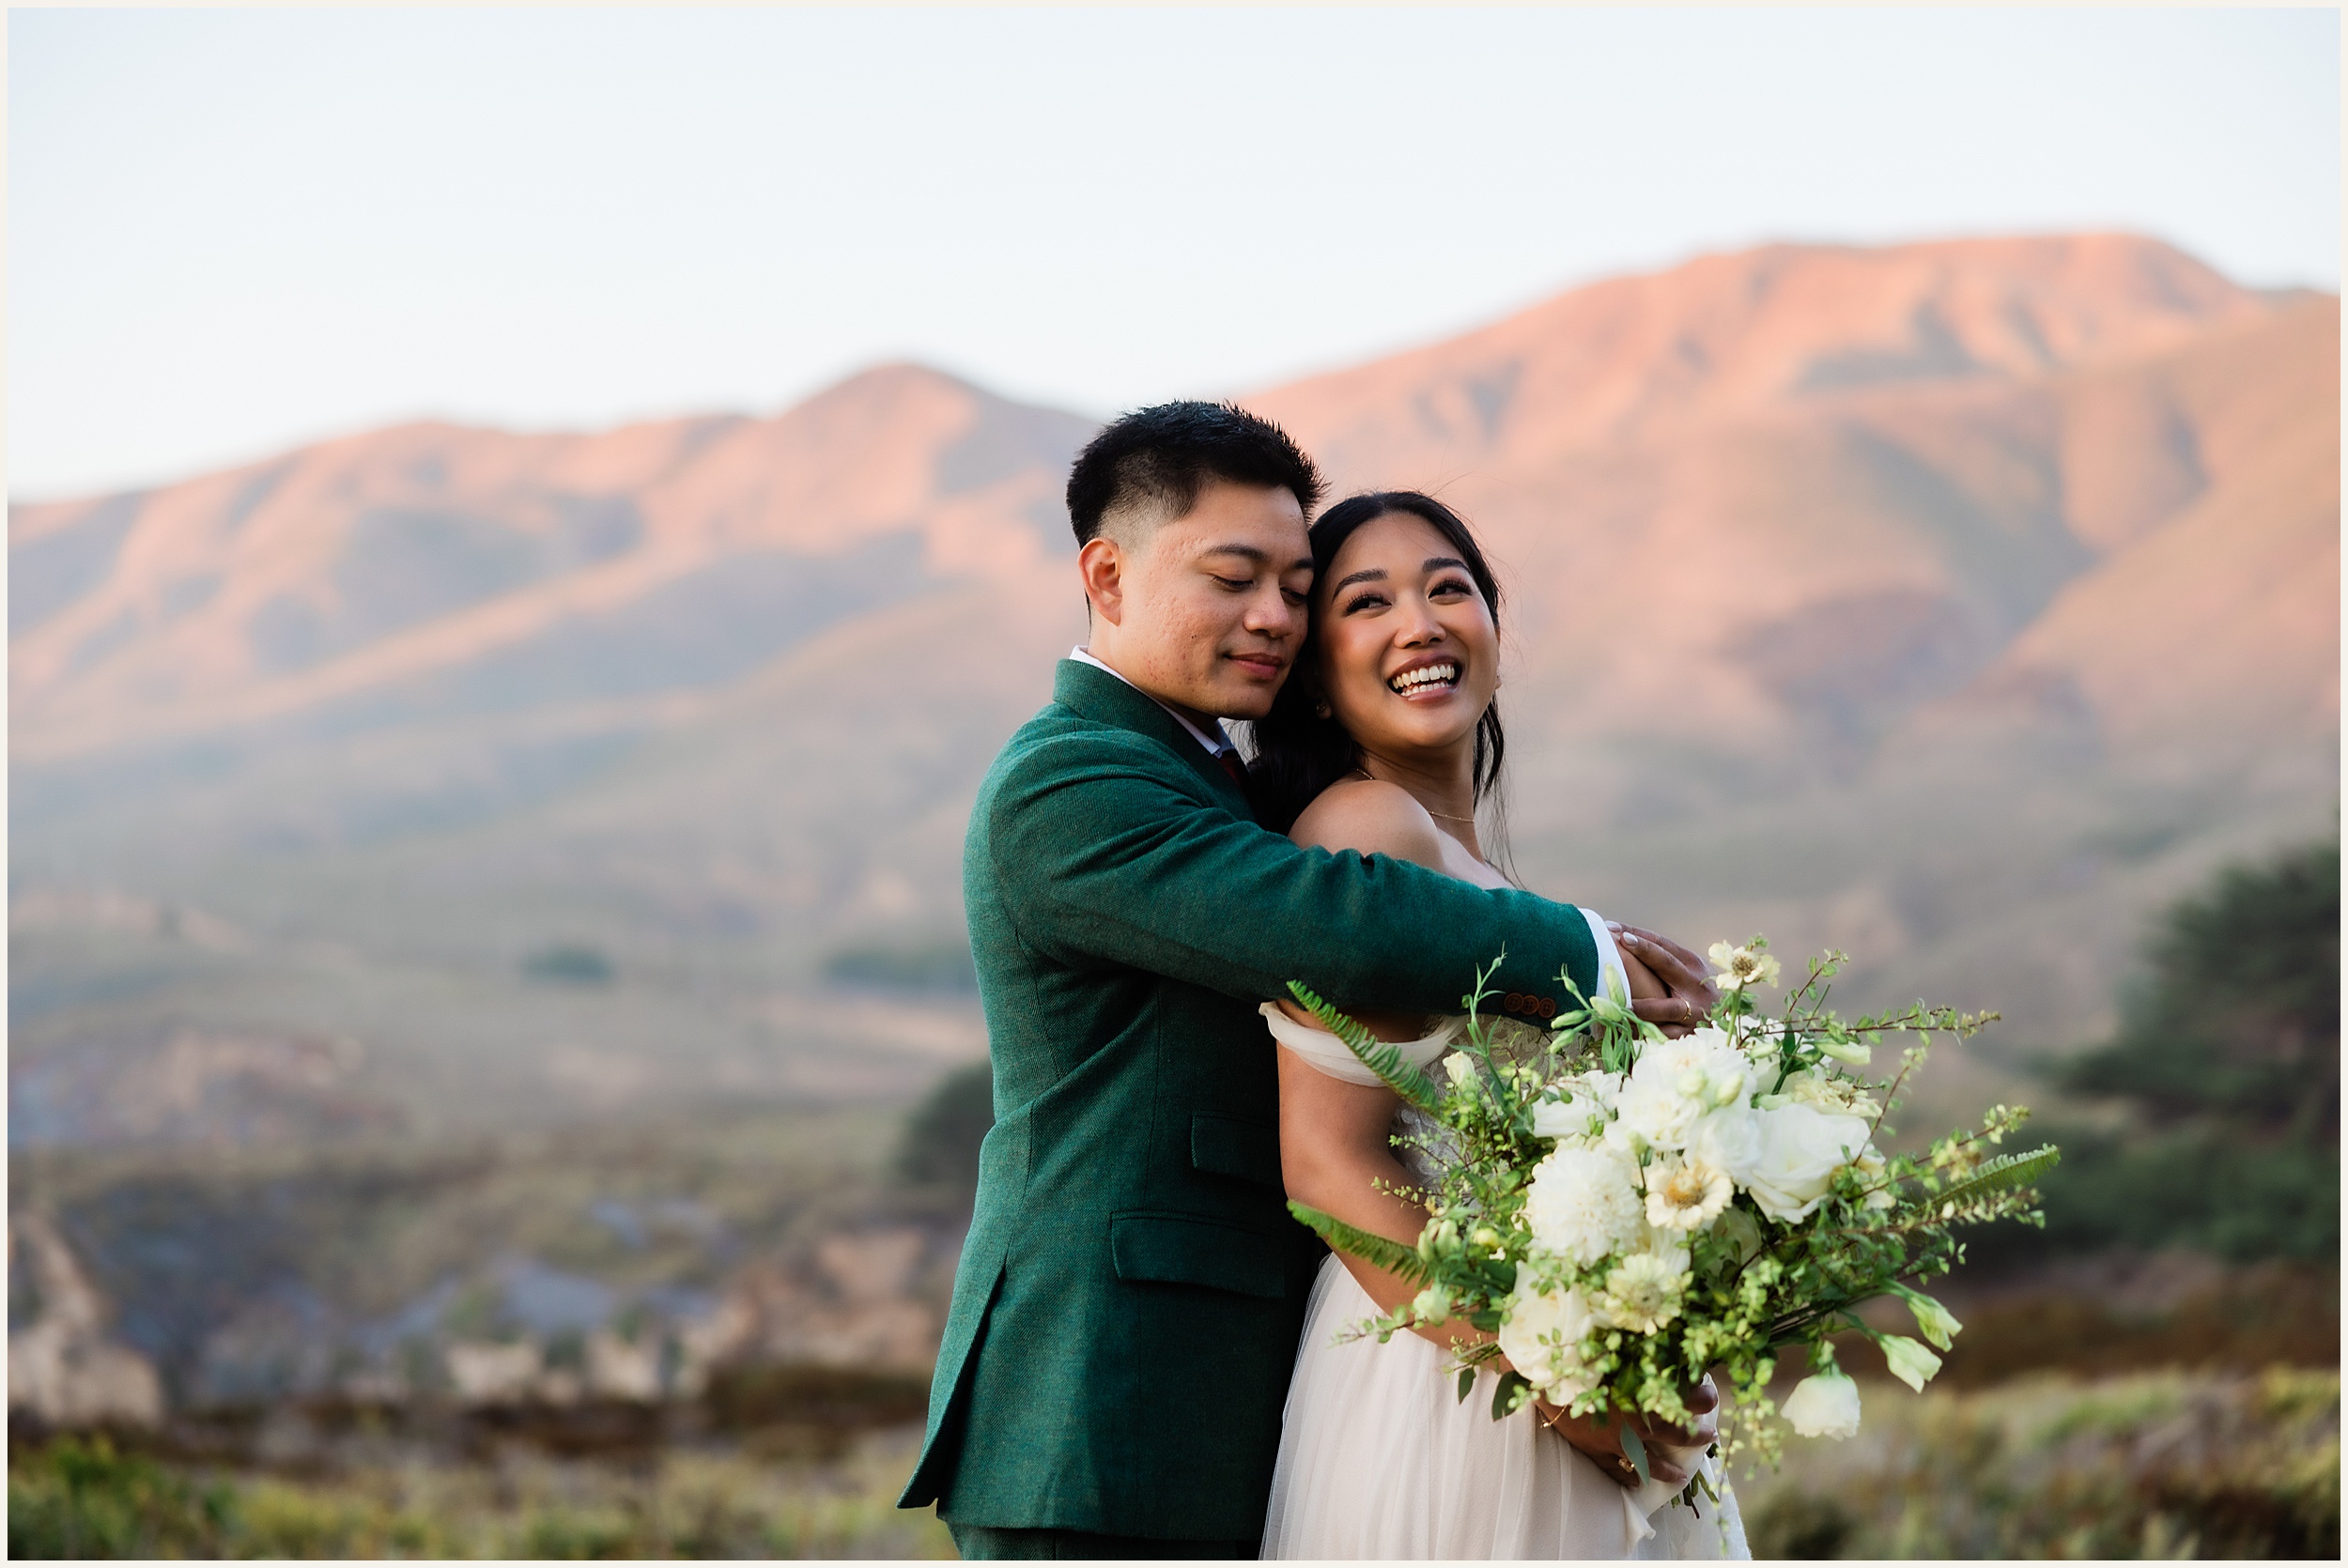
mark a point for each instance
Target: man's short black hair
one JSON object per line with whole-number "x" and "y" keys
{"x": 1165, "y": 455}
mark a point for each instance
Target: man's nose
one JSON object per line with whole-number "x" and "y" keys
{"x": 1272, "y": 615}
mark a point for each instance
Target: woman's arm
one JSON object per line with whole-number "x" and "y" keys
{"x": 1335, "y": 1157}
{"x": 1333, "y": 1150}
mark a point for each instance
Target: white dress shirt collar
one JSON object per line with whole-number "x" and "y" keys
{"x": 1217, "y": 743}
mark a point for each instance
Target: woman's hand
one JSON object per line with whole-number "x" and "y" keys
{"x": 1601, "y": 1437}
{"x": 1685, "y": 977}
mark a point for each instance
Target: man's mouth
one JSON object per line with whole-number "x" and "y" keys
{"x": 1426, "y": 677}
{"x": 1258, "y": 664}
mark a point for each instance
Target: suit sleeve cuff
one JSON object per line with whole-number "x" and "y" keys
{"x": 1610, "y": 973}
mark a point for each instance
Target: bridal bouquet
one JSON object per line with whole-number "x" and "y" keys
{"x": 1626, "y": 1212}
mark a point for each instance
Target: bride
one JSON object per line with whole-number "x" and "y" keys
{"x": 1385, "y": 741}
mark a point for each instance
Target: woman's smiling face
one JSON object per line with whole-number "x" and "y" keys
{"x": 1408, "y": 655}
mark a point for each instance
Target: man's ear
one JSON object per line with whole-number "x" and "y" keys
{"x": 1102, "y": 565}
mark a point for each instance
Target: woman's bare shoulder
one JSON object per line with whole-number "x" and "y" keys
{"x": 1373, "y": 817}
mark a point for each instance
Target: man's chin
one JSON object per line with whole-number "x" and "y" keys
{"x": 1245, "y": 703}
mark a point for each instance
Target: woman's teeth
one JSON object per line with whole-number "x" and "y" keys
{"x": 1433, "y": 674}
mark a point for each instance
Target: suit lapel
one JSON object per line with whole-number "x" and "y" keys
{"x": 1102, "y": 698}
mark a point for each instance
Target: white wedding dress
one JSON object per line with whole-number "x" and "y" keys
{"x": 1380, "y": 1459}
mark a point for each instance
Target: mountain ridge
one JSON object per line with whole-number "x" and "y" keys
{"x": 1961, "y": 652}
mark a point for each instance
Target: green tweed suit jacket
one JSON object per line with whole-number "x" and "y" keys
{"x": 1126, "y": 1312}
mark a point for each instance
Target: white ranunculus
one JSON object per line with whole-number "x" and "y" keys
{"x": 1677, "y": 1080}
{"x": 1541, "y": 1336}
{"x": 1583, "y": 1204}
{"x": 1824, "y": 1406}
{"x": 1658, "y": 1111}
{"x": 1797, "y": 1151}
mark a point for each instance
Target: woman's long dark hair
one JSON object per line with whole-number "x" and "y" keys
{"x": 1299, "y": 753}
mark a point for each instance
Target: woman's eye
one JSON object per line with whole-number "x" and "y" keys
{"x": 1364, "y": 601}
{"x": 1450, "y": 587}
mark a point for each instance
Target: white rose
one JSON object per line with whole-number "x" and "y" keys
{"x": 1583, "y": 1204}
{"x": 1728, "y": 1140}
{"x": 1462, "y": 1069}
{"x": 1797, "y": 1151}
{"x": 1824, "y": 1406}
{"x": 1541, "y": 1336}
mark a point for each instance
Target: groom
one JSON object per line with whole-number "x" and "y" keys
{"x": 1129, "y": 1298}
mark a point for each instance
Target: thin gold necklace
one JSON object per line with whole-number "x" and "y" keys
{"x": 1366, "y": 776}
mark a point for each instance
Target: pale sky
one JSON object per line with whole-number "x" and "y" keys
{"x": 231, "y": 232}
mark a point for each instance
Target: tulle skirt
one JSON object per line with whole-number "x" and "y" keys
{"x": 1378, "y": 1459}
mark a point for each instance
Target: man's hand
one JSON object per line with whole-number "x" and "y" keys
{"x": 1599, "y": 1437}
{"x": 1685, "y": 977}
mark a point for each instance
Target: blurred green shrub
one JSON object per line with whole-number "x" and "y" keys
{"x": 942, "y": 1137}
{"x": 75, "y": 1498}
{"x": 570, "y": 963}
{"x": 929, "y": 966}
{"x": 2158, "y": 1465}
{"x": 78, "y": 1498}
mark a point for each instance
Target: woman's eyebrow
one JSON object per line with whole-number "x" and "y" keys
{"x": 1436, "y": 563}
{"x": 1375, "y": 573}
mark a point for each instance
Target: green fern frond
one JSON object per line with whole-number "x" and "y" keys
{"x": 2000, "y": 1175}
{"x": 1376, "y": 1250}
{"x": 1376, "y": 1054}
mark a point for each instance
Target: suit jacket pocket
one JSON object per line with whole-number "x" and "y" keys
{"x": 1182, "y": 1249}
{"x": 1228, "y": 1146}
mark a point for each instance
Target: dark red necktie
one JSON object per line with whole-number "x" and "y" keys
{"x": 1230, "y": 761}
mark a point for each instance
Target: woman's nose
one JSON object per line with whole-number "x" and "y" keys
{"x": 1419, "y": 629}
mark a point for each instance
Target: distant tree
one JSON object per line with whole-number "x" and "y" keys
{"x": 2241, "y": 1024}
{"x": 941, "y": 1139}
{"x": 2228, "y": 1061}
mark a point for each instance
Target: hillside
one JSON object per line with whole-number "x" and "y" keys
{"x": 1956, "y": 603}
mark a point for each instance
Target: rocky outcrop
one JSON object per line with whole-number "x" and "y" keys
{"x": 62, "y": 1369}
